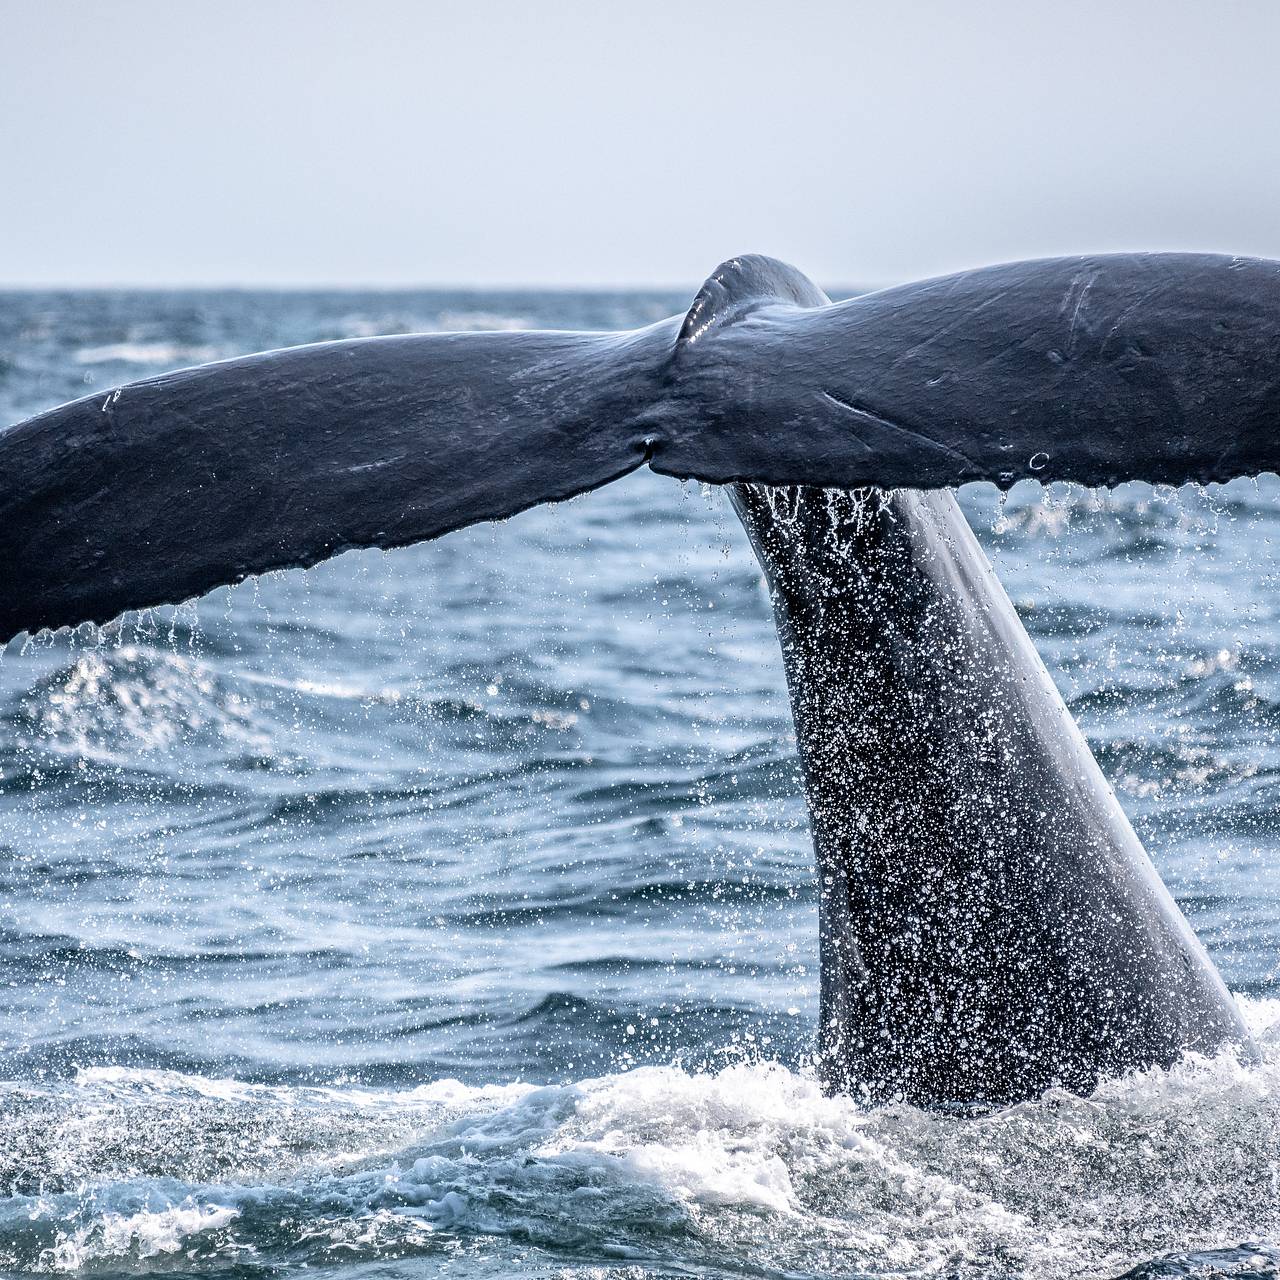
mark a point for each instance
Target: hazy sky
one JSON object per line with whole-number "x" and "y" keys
{"x": 567, "y": 141}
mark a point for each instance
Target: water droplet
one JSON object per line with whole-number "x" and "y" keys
{"x": 1039, "y": 461}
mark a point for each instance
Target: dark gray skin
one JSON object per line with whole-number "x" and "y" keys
{"x": 1162, "y": 367}
{"x": 990, "y": 923}
{"x": 991, "y": 926}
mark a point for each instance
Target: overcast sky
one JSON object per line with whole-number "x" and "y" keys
{"x": 586, "y": 141}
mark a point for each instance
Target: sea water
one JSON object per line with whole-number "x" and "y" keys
{"x": 452, "y": 911}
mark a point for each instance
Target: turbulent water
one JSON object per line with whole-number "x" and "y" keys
{"x": 452, "y": 911}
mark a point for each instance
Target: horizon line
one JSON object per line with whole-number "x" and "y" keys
{"x": 371, "y": 287}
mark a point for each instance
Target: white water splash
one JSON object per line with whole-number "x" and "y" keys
{"x": 750, "y": 1162}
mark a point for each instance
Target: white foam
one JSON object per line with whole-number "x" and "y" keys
{"x": 751, "y": 1161}
{"x": 147, "y": 1233}
{"x": 123, "y": 1082}
{"x": 156, "y": 353}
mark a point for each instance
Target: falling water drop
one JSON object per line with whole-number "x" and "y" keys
{"x": 1001, "y": 524}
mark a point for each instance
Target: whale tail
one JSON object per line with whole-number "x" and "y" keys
{"x": 1163, "y": 367}
{"x": 990, "y": 923}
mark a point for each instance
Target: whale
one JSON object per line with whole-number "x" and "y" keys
{"x": 991, "y": 926}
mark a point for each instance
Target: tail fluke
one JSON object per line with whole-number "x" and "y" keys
{"x": 163, "y": 489}
{"x": 1159, "y": 367}
{"x": 1162, "y": 367}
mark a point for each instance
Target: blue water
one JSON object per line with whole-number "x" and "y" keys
{"x": 452, "y": 911}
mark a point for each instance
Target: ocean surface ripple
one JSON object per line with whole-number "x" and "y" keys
{"x": 452, "y": 911}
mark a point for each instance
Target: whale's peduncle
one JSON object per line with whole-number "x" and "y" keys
{"x": 991, "y": 925}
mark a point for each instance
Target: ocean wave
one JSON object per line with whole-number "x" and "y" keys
{"x": 462, "y": 321}
{"x": 747, "y": 1167}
